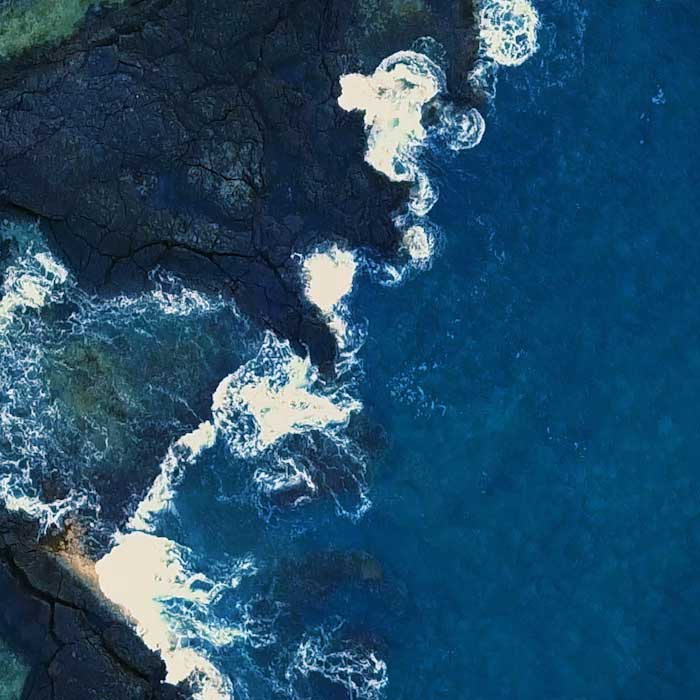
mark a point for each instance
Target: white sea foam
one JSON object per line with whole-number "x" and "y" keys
{"x": 483, "y": 77}
{"x": 276, "y": 394}
{"x": 423, "y": 195}
{"x": 328, "y": 278}
{"x": 419, "y": 243}
{"x": 38, "y": 432}
{"x": 508, "y": 30}
{"x": 360, "y": 671}
{"x": 16, "y": 492}
{"x": 170, "y": 297}
{"x": 277, "y": 411}
{"x": 159, "y": 497}
{"x": 149, "y": 578}
{"x": 392, "y": 99}
{"x": 460, "y": 129}
{"x": 33, "y": 281}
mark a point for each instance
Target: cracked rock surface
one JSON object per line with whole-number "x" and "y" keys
{"x": 202, "y": 136}
{"x": 80, "y": 648}
{"x": 205, "y": 137}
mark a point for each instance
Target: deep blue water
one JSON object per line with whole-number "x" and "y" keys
{"x": 530, "y": 408}
{"x": 546, "y": 526}
{"x": 536, "y": 511}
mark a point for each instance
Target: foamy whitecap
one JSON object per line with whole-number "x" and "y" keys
{"x": 392, "y": 99}
{"x": 273, "y": 395}
{"x": 460, "y": 129}
{"x": 276, "y": 394}
{"x": 16, "y": 493}
{"x": 33, "y": 281}
{"x": 328, "y": 278}
{"x": 419, "y": 243}
{"x": 148, "y": 577}
{"x": 508, "y": 30}
{"x": 170, "y": 297}
{"x": 483, "y": 77}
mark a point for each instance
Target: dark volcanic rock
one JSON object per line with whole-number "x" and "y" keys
{"x": 81, "y": 649}
{"x": 205, "y": 137}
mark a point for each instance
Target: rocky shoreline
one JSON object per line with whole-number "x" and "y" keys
{"x": 79, "y": 646}
{"x": 204, "y": 138}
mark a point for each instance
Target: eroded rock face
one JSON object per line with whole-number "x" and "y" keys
{"x": 80, "y": 648}
{"x": 206, "y": 138}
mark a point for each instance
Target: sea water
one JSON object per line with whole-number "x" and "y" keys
{"x": 498, "y": 495}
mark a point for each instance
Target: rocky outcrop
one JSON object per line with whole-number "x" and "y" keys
{"x": 80, "y": 647}
{"x": 203, "y": 137}
{"x": 206, "y": 138}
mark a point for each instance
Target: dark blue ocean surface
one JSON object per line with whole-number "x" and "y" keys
{"x": 540, "y": 499}
{"x": 530, "y": 437}
{"x": 536, "y": 511}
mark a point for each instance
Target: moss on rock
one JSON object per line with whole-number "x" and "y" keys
{"x": 13, "y": 673}
{"x": 24, "y": 24}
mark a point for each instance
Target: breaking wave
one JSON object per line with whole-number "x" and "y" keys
{"x": 508, "y": 30}
{"x": 171, "y": 605}
{"x": 328, "y": 278}
{"x": 393, "y": 99}
{"x": 256, "y": 410}
{"x": 343, "y": 662}
{"x": 276, "y": 394}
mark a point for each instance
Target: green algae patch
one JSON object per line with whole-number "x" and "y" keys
{"x": 92, "y": 390}
{"x": 13, "y": 673}
{"x": 380, "y": 16}
{"x": 24, "y": 25}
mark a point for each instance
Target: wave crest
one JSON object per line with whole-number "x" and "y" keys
{"x": 508, "y": 30}
{"x": 339, "y": 661}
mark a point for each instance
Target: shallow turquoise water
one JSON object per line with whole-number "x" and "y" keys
{"x": 13, "y": 673}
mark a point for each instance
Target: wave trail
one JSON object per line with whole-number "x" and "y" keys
{"x": 393, "y": 99}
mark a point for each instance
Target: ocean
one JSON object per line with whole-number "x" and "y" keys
{"x": 497, "y": 496}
